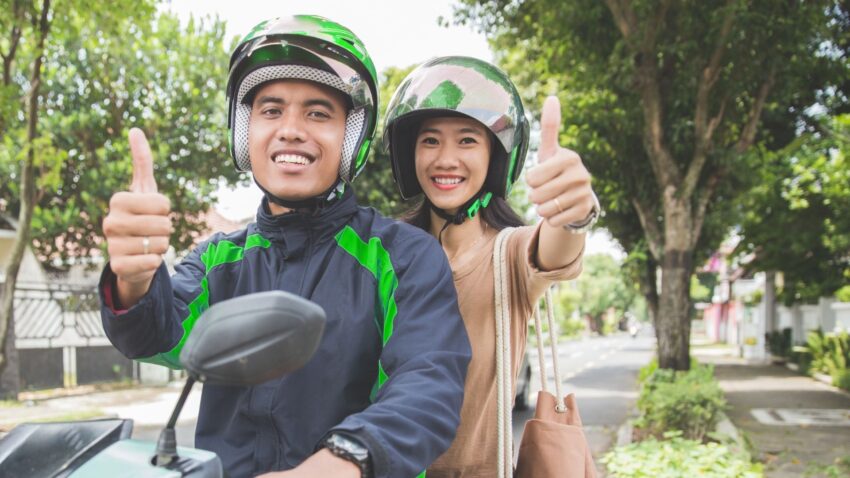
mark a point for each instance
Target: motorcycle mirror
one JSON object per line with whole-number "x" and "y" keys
{"x": 253, "y": 338}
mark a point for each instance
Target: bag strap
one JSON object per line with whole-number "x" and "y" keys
{"x": 503, "y": 357}
{"x": 560, "y": 407}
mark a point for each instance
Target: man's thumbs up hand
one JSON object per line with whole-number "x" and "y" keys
{"x": 559, "y": 183}
{"x": 138, "y": 226}
{"x": 143, "y": 181}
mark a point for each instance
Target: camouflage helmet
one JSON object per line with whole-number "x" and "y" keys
{"x": 451, "y": 86}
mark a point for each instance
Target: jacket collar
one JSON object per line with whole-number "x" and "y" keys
{"x": 294, "y": 230}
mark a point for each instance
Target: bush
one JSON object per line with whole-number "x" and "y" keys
{"x": 679, "y": 457}
{"x": 843, "y": 294}
{"x": 842, "y": 379}
{"x": 689, "y": 402}
{"x": 569, "y": 327}
{"x": 779, "y": 342}
{"x": 829, "y": 353}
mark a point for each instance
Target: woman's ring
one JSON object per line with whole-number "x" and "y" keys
{"x": 146, "y": 244}
{"x": 558, "y": 205}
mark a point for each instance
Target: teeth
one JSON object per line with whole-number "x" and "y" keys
{"x": 290, "y": 158}
{"x": 448, "y": 180}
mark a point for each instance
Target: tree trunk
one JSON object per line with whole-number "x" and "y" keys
{"x": 28, "y": 193}
{"x": 770, "y": 301}
{"x": 674, "y": 325}
{"x": 649, "y": 290}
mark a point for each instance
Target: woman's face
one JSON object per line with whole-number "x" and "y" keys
{"x": 452, "y": 157}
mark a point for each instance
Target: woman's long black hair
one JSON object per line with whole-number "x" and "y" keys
{"x": 498, "y": 214}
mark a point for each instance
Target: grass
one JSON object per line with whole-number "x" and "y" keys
{"x": 72, "y": 416}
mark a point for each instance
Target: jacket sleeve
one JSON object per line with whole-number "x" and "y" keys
{"x": 153, "y": 330}
{"x": 415, "y": 414}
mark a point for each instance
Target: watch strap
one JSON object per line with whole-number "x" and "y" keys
{"x": 352, "y": 450}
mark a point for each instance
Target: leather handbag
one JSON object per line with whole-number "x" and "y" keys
{"x": 553, "y": 443}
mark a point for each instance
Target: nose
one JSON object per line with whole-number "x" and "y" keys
{"x": 447, "y": 157}
{"x": 290, "y": 127}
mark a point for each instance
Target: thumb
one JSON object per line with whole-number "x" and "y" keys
{"x": 143, "y": 180}
{"x": 550, "y": 125}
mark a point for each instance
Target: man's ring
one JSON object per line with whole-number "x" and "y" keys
{"x": 558, "y": 205}
{"x": 146, "y": 244}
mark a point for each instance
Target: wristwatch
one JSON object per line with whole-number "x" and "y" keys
{"x": 587, "y": 223}
{"x": 350, "y": 450}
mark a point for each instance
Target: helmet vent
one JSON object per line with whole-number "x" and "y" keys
{"x": 353, "y": 127}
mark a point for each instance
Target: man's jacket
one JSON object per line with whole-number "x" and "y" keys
{"x": 389, "y": 371}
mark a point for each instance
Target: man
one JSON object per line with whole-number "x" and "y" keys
{"x": 382, "y": 395}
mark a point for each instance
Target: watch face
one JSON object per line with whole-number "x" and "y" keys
{"x": 350, "y": 450}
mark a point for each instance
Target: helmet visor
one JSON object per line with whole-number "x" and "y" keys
{"x": 264, "y": 51}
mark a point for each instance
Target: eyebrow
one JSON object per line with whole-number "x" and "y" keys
{"x": 270, "y": 99}
{"x": 308, "y": 103}
{"x": 462, "y": 130}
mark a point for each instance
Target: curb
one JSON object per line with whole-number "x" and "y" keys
{"x": 818, "y": 377}
{"x": 724, "y": 427}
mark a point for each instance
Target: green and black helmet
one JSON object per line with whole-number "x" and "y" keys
{"x": 451, "y": 86}
{"x": 305, "y": 47}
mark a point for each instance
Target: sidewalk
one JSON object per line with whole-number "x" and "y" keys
{"x": 147, "y": 406}
{"x": 793, "y": 422}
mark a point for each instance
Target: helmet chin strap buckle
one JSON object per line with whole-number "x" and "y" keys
{"x": 479, "y": 204}
{"x": 467, "y": 211}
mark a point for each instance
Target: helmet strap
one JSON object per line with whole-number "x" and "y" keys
{"x": 309, "y": 205}
{"x": 468, "y": 210}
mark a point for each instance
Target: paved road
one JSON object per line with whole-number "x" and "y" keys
{"x": 602, "y": 372}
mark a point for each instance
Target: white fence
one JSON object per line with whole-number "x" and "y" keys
{"x": 827, "y": 315}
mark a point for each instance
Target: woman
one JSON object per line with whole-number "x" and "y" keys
{"x": 456, "y": 131}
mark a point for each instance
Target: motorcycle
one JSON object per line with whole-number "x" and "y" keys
{"x": 243, "y": 341}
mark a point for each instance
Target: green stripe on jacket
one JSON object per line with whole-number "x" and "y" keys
{"x": 372, "y": 256}
{"x": 222, "y": 252}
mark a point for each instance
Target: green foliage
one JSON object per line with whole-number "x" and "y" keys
{"x": 109, "y": 69}
{"x": 603, "y": 286}
{"x": 830, "y": 355}
{"x": 840, "y": 468}
{"x": 779, "y": 342}
{"x": 702, "y": 286}
{"x": 631, "y": 77}
{"x": 841, "y": 379}
{"x": 677, "y": 457}
{"x": 647, "y": 370}
{"x": 690, "y": 402}
{"x": 843, "y": 294}
{"x": 806, "y": 184}
{"x": 375, "y": 186}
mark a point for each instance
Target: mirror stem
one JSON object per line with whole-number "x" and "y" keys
{"x": 166, "y": 446}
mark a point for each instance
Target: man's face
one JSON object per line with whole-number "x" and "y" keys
{"x": 295, "y": 137}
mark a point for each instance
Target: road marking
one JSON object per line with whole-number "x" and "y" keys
{"x": 827, "y": 417}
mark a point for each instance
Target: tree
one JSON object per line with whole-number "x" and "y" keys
{"x": 170, "y": 83}
{"x": 664, "y": 101}
{"x": 807, "y": 185}
{"x": 603, "y": 286}
{"x": 33, "y": 22}
{"x": 375, "y": 185}
{"x": 78, "y": 76}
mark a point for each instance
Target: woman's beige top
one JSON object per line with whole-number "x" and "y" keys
{"x": 473, "y": 452}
